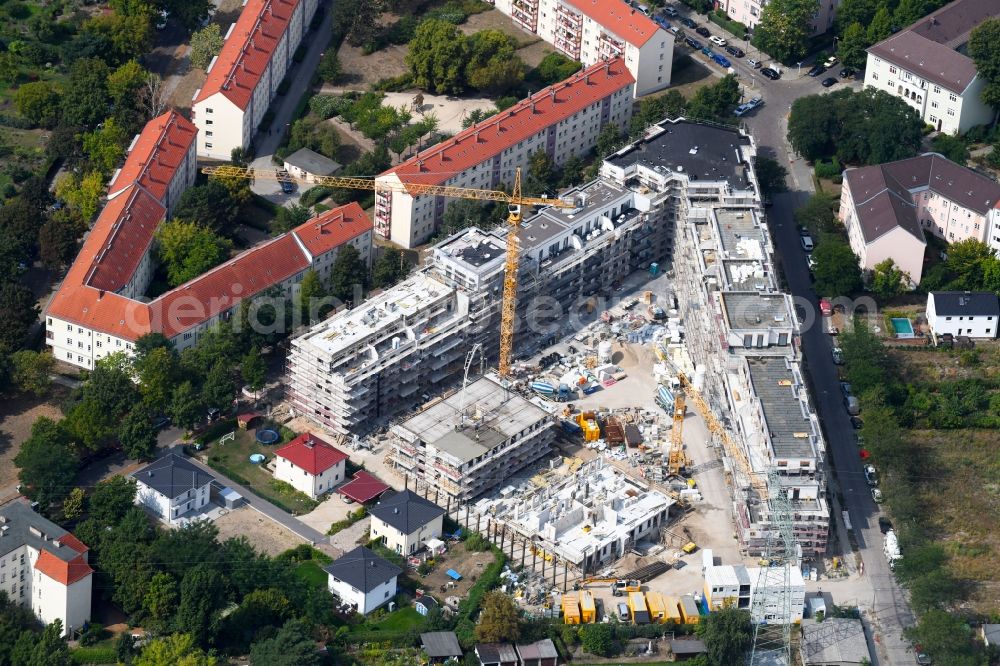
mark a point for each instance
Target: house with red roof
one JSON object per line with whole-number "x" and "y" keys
{"x": 43, "y": 567}
{"x": 564, "y": 120}
{"x": 310, "y": 464}
{"x": 592, "y": 31}
{"x": 244, "y": 78}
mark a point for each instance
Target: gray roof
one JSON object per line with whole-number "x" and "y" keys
{"x": 687, "y": 646}
{"x": 491, "y": 653}
{"x": 976, "y": 303}
{"x": 834, "y": 640}
{"x": 362, "y": 569}
{"x": 312, "y": 162}
{"x": 543, "y": 649}
{"x": 20, "y": 526}
{"x": 784, "y": 413}
{"x": 755, "y": 311}
{"x": 930, "y": 47}
{"x": 406, "y": 511}
{"x": 441, "y": 644}
{"x": 991, "y": 632}
{"x": 172, "y": 476}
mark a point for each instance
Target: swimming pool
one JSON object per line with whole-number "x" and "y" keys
{"x": 903, "y": 327}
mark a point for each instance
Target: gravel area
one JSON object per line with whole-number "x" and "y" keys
{"x": 264, "y": 534}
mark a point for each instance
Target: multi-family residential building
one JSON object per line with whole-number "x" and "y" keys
{"x": 100, "y": 307}
{"x": 172, "y": 489}
{"x": 928, "y": 65}
{"x": 310, "y": 465}
{"x": 591, "y": 31}
{"x": 564, "y": 120}
{"x": 748, "y": 12}
{"x": 244, "y": 78}
{"x": 472, "y": 440}
{"x": 887, "y": 209}
{"x": 43, "y": 567}
{"x": 974, "y": 314}
{"x": 405, "y": 522}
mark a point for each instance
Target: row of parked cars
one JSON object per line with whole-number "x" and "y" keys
{"x": 820, "y": 68}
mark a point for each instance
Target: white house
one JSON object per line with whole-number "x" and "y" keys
{"x": 43, "y": 567}
{"x": 363, "y": 579}
{"x": 310, "y": 465}
{"x": 974, "y": 314}
{"x": 405, "y": 521}
{"x": 172, "y": 488}
{"x": 928, "y": 66}
{"x": 310, "y": 165}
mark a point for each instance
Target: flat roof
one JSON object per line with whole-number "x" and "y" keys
{"x": 786, "y": 415}
{"x": 837, "y": 640}
{"x": 755, "y": 311}
{"x": 746, "y": 275}
{"x": 740, "y": 234}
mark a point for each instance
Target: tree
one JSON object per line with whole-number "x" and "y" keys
{"x": 811, "y": 126}
{"x": 121, "y": 36}
{"x": 888, "y": 280}
{"x": 437, "y": 56}
{"x": 855, "y": 11}
{"x": 771, "y": 176}
{"x": 46, "y": 462}
{"x": 837, "y": 271}
{"x": 784, "y": 29}
{"x": 357, "y": 21}
{"x": 40, "y": 102}
{"x": 500, "y": 619}
{"x": 253, "y": 370}
{"x": 984, "y": 47}
{"x": 289, "y": 217}
{"x": 185, "y": 405}
{"x": 555, "y": 67}
{"x": 137, "y": 434}
{"x": 105, "y": 146}
{"x": 311, "y": 290}
{"x": 157, "y": 371}
{"x": 147, "y": 343}
{"x": 291, "y": 646}
{"x": 125, "y": 83}
{"x": 160, "y": 601}
{"x": 330, "y": 69}
{"x": 86, "y": 99}
{"x": 189, "y": 13}
{"x": 111, "y": 387}
{"x": 492, "y": 65}
{"x": 125, "y": 648}
{"x": 944, "y": 635}
{"x": 45, "y": 649}
{"x": 20, "y": 312}
{"x": 880, "y": 26}
{"x": 598, "y": 639}
{"x": 817, "y": 214}
{"x": 189, "y": 249}
{"x": 953, "y": 147}
{"x": 728, "y": 635}
{"x": 205, "y": 45}
{"x": 57, "y": 238}
{"x": 348, "y": 274}
{"x": 111, "y": 500}
{"x": 609, "y": 140}
{"x": 82, "y": 195}
{"x": 852, "y": 46}
{"x": 173, "y": 650}
{"x": 200, "y": 599}
{"x": 31, "y": 370}
{"x": 218, "y": 390}
{"x": 717, "y": 101}
{"x": 210, "y": 204}
{"x": 542, "y": 173}
{"x": 73, "y": 504}
{"x": 910, "y": 11}
{"x": 389, "y": 268}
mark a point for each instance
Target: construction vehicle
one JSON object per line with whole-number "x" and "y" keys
{"x": 570, "y": 609}
{"x": 637, "y": 608}
{"x": 514, "y": 202}
{"x": 619, "y": 586}
{"x": 588, "y": 607}
{"x": 676, "y": 460}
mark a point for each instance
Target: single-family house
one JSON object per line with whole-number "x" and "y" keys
{"x": 310, "y": 465}
{"x": 834, "y": 642}
{"x": 310, "y": 165}
{"x": 405, "y": 521}
{"x": 496, "y": 654}
{"x": 172, "y": 488}
{"x": 974, "y": 314}
{"x": 540, "y": 653}
{"x": 441, "y": 646}
{"x": 363, "y": 579}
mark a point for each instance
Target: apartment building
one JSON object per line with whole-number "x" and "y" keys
{"x": 472, "y": 440}
{"x": 244, "y": 78}
{"x": 928, "y": 65}
{"x": 748, "y": 12}
{"x": 100, "y": 307}
{"x": 43, "y": 567}
{"x": 161, "y": 159}
{"x": 887, "y": 209}
{"x": 590, "y": 32}
{"x": 564, "y": 120}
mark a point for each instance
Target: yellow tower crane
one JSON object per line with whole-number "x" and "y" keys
{"x": 676, "y": 460}
{"x": 514, "y": 201}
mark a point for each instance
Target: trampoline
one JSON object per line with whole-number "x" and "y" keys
{"x": 256, "y": 458}
{"x": 266, "y": 437}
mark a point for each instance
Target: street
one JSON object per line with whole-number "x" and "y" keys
{"x": 885, "y": 600}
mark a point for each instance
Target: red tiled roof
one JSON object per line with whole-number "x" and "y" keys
{"x": 157, "y": 154}
{"x": 66, "y": 573}
{"x": 74, "y": 543}
{"x": 309, "y": 452}
{"x": 333, "y": 228}
{"x": 246, "y": 53}
{"x": 618, "y": 17}
{"x": 547, "y": 107}
{"x": 363, "y": 488}
{"x": 130, "y": 236}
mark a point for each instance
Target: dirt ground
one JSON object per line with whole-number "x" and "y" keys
{"x": 693, "y": 76}
{"x": 470, "y": 565}
{"x": 16, "y": 418}
{"x": 365, "y": 70}
{"x": 494, "y": 20}
{"x": 266, "y": 535}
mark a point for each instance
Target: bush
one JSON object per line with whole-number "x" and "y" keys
{"x": 490, "y": 578}
{"x": 719, "y": 18}
{"x": 313, "y": 195}
{"x": 829, "y": 169}
{"x": 394, "y": 83}
{"x": 94, "y": 655}
{"x": 476, "y": 543}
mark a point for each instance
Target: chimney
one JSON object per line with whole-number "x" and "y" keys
{"x": 308, "y": 443}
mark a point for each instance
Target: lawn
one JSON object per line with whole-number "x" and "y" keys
{"x": 312, "y": 573}
{"x": 233, "y": 460}
{"x": 402, "y": 619}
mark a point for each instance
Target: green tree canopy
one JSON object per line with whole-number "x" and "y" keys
{"x": 311, "y": 290}
{"x": 771, "y": 175}
{"x": 173, "y": 650}
{"x": 437, "y": 56}
{"x": 253, "y": 369}
{"x": 880, "y": 26}
{"x": 205, "y": 45}
{"x": 984, "y": 47}
{"x": 291, "y": 646}
{"x": 160, "y": 601}
{"x": 500, "y": 620}
{"x": 137, "y": 434}
{"x": 200, "y": 600}
{"x": 717, "y": 101}
{"x": 391, "y": 267}
{"x": 158, "y": 374}
{"x": 888, "y": 280}
{"x": 111, "y": 499}
{"x": 784, "y": 29}
{"x": 39, "y": 102}
{"x": 82, "y": 194}
{"x": 186, "y": 406}
{"x": 837, "y": 271}
{"x": 86, "y": 99}
{"x": 855, "y": 11}
{"x": 218, "y": 390}
{"x": 598, "y": 639}
{"x": 57, "y": 238}
{"x": 211, "y": 205}
{"x": 953, "y": 147}
{"x": 20, "y": 312}
{"x": 555, "y": 67}
{"x": 728, "y": 635}
{"x": 851, "y": 49}
{"x": 189, "y": 13}
{"x": 347, "y": 274}
{"x": 189, "y": 249}
{"x": 46, "y": 462}
{"x": 31, "y": 371}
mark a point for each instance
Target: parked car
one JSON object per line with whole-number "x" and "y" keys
{"x": 677, "y": 32}
{"x": 853, "y": 405}
{"x": 828, "y": 82}
{"x": 922, "y": 658}
{"x": 877, "y": 495}
{"x": 718, "y": 41}
{"x": 708, "y": 52}
{"x": 825, "y": 308}
{"x": 670, "y": 11}
{"x": 161, "y": 19}
{"x": 811, "y": 262}
{"x": 847, "y": 73}
{"x": 770, "y": 73}
{"x": 693, "y": 43}
{"x": 807, "y": 243}
{"x": 845, "y": 388}
{"x": 871, "y": 476}
{"x": 857, "y": 423}
{"x": 838, "y": 356}
{"x": 623, "y": 612}
{"x": 662, "y": 22}
{"x": 830, "y": 62}
{"x": 754, "y": 63}
{"x": 688, "y": 23}
{"x": 703, "y": 31}
{"x": 735, "y": 51}
{"x": 816, "y": 70}
{"x": 749, "y": 106}
{"x": 722, "y": 61}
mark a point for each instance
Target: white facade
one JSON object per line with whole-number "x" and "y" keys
{"x": 748, "y": 12}
{"x": 364, "y": 602}
{"x": 313, "y": 485}
{"x": 81, "y": 346}
{"x": 406, "y": 544}
{"x": 70, "y": 604}
{"x": 972, "y": 323}
{"x": 222, "y": 126}
{"x": 739, "y": 585}
{"x": 171, "y": 511}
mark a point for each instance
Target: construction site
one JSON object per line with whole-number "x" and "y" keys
{"x": 651, "y": 414}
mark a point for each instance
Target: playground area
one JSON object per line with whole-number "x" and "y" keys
{"x": 241, "y": 456}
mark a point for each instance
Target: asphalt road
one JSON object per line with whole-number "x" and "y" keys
{"x": 888, "y": 603}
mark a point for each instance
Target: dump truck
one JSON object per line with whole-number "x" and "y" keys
{"x": 571, "y": 609}
{"x": 689, "y": 610}
{"x": 657, "y": 611}
{"x": 637, "y": 608}
{"x": 588, "y": 607}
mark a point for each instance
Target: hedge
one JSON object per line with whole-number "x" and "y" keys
{"x": 829, "y": 169}
{"x": 94, "y": 655}
{"x": 735, "y": 28}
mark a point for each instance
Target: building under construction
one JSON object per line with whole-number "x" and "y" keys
{"x": 471, "y": 441}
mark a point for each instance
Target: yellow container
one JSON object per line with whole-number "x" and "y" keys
{"x": 588, "y": 609}
{"x": 570, "y": 609}
{"x": 637, "y": 606}
{"x": 657, "y": 610}
{"x": 671, "y": 609}
{"x": 689, "y": 610}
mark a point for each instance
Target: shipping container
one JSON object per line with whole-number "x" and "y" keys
{"x": 571, "y": 609}
{"x": 689, "y": 610}
{"x": 637, "y": 608}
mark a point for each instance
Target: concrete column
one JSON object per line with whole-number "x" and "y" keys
{"x": 565, "y": 574}
{"x": 524, "y": 546}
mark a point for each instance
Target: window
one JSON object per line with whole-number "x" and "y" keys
{"x": 208, "y": 110}
{"x": 209, "y": 122}
{"x": 874, "y": 76}
{"x": 952, "y": 97}
{"x": 947, "y": 318}
{"x": 934, "y": 105}
{"x": 892, "y": 70}
{"x": 208, "y": 133}
{"x": 208, "y": 145}
{"x": 951, "y": 112}
{"x": 933, "y": 119}
{"x": 937, "y": 89}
